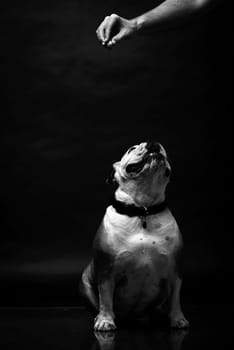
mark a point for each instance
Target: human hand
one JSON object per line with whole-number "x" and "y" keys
{"x": 113, "y": 29}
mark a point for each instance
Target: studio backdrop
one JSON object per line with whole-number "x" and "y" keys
{"x": 73, "y": 108}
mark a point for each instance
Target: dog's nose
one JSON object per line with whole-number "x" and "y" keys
{"x": 153, "y": 147}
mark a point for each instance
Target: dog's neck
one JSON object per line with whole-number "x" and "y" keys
{"x": 143, "y": 191}
{"x": 139, "y": 199}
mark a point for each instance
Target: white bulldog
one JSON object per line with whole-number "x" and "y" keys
{"x": 136, "y": 262}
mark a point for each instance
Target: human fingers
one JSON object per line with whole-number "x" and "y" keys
{"x": 112, "y": 20}
{"x": 101, "y": 30}
{"x": 118, "y": 37}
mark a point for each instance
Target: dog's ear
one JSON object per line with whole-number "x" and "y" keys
{"x": 167, "y": 172}
{"x": 111, "y": 178}
{"x": 162, "y": 150}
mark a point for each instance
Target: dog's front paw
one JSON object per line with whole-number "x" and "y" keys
{"x": 179, "y": 321}
{"x": 106, "y": 340}
{"x": 104, "y": 323}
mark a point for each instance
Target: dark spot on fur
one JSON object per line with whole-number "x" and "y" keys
{"x": 167, "y": 238}
{"x": 153, "y": 242}
{"x": 158, "y": 225}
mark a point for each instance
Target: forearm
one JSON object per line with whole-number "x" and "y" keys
{"x": 168, "y": 12}
{"x": 115, "y": 28}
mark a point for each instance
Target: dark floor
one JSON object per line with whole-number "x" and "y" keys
{"x": 71, "y": 328}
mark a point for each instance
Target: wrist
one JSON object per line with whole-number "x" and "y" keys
{"x": 138, "y": 23}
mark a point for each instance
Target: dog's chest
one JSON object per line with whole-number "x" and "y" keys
{"x": 141, "y": 270}
{"x": 142, "y": 257}
{"x": 128, "y": 236}
{"x": 142, "y": 252}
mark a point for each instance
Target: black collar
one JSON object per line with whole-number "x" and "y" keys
{"x": 133, "y": 210}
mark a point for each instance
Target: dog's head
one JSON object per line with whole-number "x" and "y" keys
{"x": 143, "y": 168}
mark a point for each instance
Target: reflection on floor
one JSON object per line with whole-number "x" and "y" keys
{"x": 71, "y": 328}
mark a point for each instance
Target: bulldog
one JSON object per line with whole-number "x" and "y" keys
{"x": 136, "y": 265}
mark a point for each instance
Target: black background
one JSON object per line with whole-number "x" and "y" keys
{"x": 74, "y": 108}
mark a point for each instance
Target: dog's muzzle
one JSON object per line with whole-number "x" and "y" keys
{"x": 153, "y": 152}
{"x": 139, "y": 158}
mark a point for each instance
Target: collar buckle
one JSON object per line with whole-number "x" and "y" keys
{"x": 146, "y": 211}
